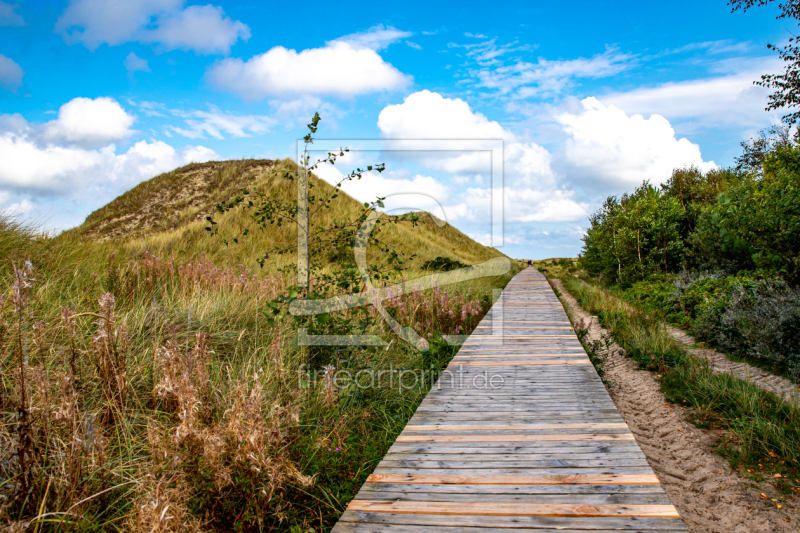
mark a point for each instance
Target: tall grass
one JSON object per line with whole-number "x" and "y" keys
{"x": 763, "y": 428}
{"x": 140, "y": 393}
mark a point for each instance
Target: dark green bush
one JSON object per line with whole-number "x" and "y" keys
{"x": 442, "y": 264}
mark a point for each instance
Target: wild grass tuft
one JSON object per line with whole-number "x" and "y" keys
{"x": 146, "y": 393}
{"x": 763, "y": 428}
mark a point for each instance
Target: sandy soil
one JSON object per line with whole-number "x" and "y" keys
{"x": 719, "y": 362}
{"x": 707, "y": 493}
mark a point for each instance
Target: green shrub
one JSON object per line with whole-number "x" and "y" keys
{"x": 442, "y": 264}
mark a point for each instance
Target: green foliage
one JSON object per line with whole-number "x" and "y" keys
{"x": 750, "y": 316}
{"x": 725, "y": 220}
{"x": 641, "y": 335}
{"x": 634, "y": 237}
{"x": 442, "y": 264}
{"x": 760, "y": 218}
{"x": 762, "y": 427}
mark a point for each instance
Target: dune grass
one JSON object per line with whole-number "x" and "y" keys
{"x": 166, "y": 216}
{"x": 140, "y": 393}
{"x": 763, "y": 430}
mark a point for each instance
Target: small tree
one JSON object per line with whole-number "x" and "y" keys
{"x": 324, "y": 265}
{"x": 786, "y": 85}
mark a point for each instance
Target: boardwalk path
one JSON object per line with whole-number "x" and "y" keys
{"x": 518, "y": 434}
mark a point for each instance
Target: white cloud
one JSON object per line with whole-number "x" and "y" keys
{"x": 203, "y": 29}
{"x": 65, "y": 160}
{"x": 15, "y": 209}
{"x": 336, "y": 69}
{"x": 376, "y": 38}
{"x": 522, "y": 205}
{"x": 133, "y": 63}
{"x": 531, "y": 193}
{"x": 429, "y": 115}
{"x": 402, "y": 191}
{"x": 8, "y": 17}
{"x": 166, "y": 23}
{"x": 216, "y": 123}
{"x": 609, "y": 149}
{"x": 710, "y": 102}
{"x": 89, "y": 123}
{"x": 545, "y": 78}
{"x": 10, "y": 74}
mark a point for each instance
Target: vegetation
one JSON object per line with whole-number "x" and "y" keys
{"x": 715, "y": 253}
{"x": 142, "y": 388}
{"x": 786, "y": 85}
{"x": 442, "y": 264}
{"x": 762, "y": 429}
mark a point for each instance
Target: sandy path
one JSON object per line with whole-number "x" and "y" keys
{"x": 719, "y": 362}
{"x": 708, "y": 494}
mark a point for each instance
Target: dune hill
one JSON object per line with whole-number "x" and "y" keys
{"x": 166, "y": 216}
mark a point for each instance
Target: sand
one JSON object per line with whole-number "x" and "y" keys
{"x": 708, "y": 494}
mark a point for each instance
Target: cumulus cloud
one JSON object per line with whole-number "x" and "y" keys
{"x": 609, "y": 150}
{"x": 166, "y": 23}
{"x": 530, "y": 192}
{"x": 337, "y": 69}
{"x": 521, "y": 205}
{"x": 204, "y": 29}
{"x": 402, "y": 191}
{"x": 10, "y": 74}
{"x": 73, "y": 158}
{"x": 133, "y": 63}
{"x": 7, "y": 15}
{"x": 89, "y": 123}
{"x": 429, "y": 115}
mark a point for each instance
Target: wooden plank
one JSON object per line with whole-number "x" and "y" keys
{"x": 507, "y": 427}
{"x": 357, "y": 527}
{"x": 587, "y": 437}
{"x": 513, "y": 509}
{"x": 543, "y": 448}
{"x": 436, "y": 491}
{"x": 591, "y": 498}
{"x": 517, "y": 522}
{"x": 589, "y": 479}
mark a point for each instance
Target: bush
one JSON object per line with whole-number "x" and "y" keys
{"x": 747, "y": 315}
{"x": 442, "y": 264}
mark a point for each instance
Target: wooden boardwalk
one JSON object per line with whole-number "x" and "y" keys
{"x": 519, "y": 434}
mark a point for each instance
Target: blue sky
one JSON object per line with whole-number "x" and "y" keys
{"x": 587, "y": 99}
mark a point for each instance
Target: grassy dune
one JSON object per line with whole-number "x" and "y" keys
{"x": 166, "y": 215}
{"x": 141, "y": 390}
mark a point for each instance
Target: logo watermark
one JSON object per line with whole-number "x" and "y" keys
{"x": 375, "y": 296}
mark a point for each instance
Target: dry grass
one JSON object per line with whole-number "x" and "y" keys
{"x": 140, "y": 393}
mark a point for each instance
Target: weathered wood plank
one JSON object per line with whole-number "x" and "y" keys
{"x": 513, "y": 509}
{"x": 518, "y": 522}
{"x": 541, "y": 448}
{"x": 504, "y": 479}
